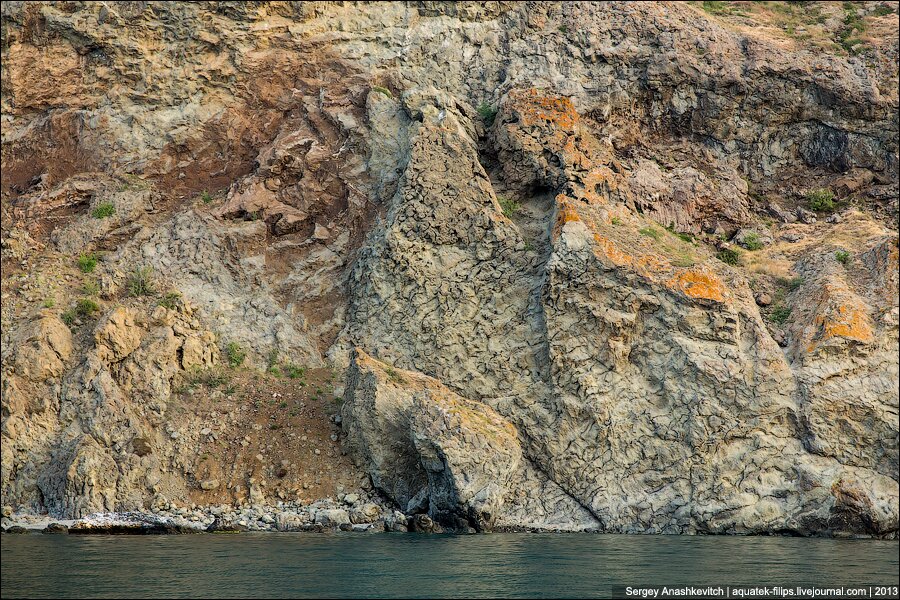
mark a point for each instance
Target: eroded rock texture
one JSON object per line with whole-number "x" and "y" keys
{"x": 626, "y": 267}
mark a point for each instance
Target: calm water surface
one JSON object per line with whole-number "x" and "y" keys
{"x": 419, "y": 566}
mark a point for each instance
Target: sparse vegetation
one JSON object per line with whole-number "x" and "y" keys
{"x": 780, "y": 314}
{"x": 393, "y": 375}
{"x": 509, "y": 206}
{"x": 68, "y": 317}
{"x": 751, "y": 242}
{"x": 210, "y": 378}
{"x": 103, "y": 210}
{"x": 684, "y": 237}
{"x": 563, "y": 29}
{"x": 294, "y": 372}
{"x": 171, "y": 300}
{"x": 821, "y": 200}
{"x": 141, "y": 282}
{"x": 90, "y": 288}
{"x": 843, "y": 257}
{"x": 205, "y": 197}
{"x": 651, "y": 232}
{"x": 487, "y": 112}
{"x": 615, "y": 221}
{"x": 48, "y": 303}
{"x": 235, "y": 354}
{"x": 87, "y": 263}
{"x": 383, "y": 90}
{"x": 714, "y": 8}
{"x": 85, "y": 307}
{"x": 729, "y": 256}
{"x": 789, "y": 283}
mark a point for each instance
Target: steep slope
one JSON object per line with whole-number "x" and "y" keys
{"x": 641, "y": 254}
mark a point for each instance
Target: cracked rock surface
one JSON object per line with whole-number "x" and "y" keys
{"x": 622, "y": 266}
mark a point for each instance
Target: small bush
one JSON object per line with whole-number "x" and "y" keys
{"x": 509, "y": 206}
{"x": 729, "y": 256}
{"x": 87, "y": 263}
{"x": 383, "y": 90}
{"x": 751, "y": 242}
{"x": 68, "y": 317}
{"x": 205, "y": 197}
{"x": 235, "y": 354}
{"x": 48, "y": 303}
{"x": 103, "y": 210}
{"x": 140, "y": 282}
{"x": 651, "y": 232}
{"x": 294, "y": 372}
{"x": 90, "y": 288}
{"x": 85, "y": 307}
{"x": 394, "y": 375}
{"x": 780, "y": 314}
{"x": 171, "y": 300}
{"x": 842, "y": 256}
{"x": 487, "y": 113}
{"x": 563, "y": 29}
{"x": 821, "y": 200}
{"x": 791, "y": 283}
{"x": 615, "y": 221}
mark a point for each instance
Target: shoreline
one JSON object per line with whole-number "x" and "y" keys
{"x": 323, "y": 518}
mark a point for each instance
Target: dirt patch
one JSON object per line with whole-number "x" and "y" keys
{"x": 278, "y": 431}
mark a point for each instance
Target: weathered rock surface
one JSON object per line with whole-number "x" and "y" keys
{"x": 513, "y": 240}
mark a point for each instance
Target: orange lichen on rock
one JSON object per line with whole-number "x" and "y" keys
{"x": 536, "y": 108}
{"x": 841, "y": 314}
{"x": 847, "y": 321}
{"x": 566, "y": 213}
{"x": 696, "y": 283}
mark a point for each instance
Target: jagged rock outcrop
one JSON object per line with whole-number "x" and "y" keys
{"x": 433, "y": 451}
{"x": 505, "y": 225}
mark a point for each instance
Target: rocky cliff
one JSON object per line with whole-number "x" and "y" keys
{"x": 626, "y": 267}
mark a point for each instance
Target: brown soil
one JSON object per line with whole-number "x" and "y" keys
{"x": 284, "y": 437}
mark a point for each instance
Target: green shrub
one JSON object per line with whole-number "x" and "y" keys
{"x": 563, "y": 29}
{"x": 87, "y": 263}
{"x": 751, "y": 242}
{"x": 842, "y": 256}
{"x": 235, "y": 354}
{"x": 615, "y": 221}
{"x": 48, "y": 303}
{"x": 85, "y": 307}
{"x": 141, "y": 282}
{"x": 821, "y": 200}
{"x": 780, "y": 314}
{"x": 729, "y": 256}
{"x": 294, "y": 372}
{"x": 509, "y": 206}
{"x": 103, "y": 210}
{"x": 68, "y": 317}
{"x": 487, "y": 112}
{"x": 205, "y": 197}
{"x": 171, "y": 300}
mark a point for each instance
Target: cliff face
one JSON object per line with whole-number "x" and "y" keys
{"x": 618, "y": 266}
